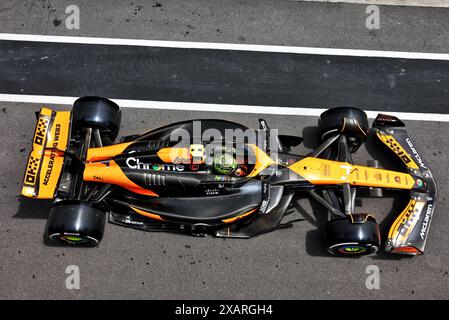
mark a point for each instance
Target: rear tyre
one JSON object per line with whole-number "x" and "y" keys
{"x": 97, "y": 113}
{"x": 352, "y": 236}
{"x": 351, "y": 122}
{"x": 75, "y": 223}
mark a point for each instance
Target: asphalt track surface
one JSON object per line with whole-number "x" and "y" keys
{"x": 224, "y": 76}
{"x": 286, "y": 264}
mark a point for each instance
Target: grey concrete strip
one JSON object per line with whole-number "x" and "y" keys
{"x": 285, "y": 264}
{"x": 282, "y": 22}
{"x": 415, "y": 3}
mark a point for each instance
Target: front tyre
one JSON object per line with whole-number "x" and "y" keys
{"x": 75, "y": 223}
{"x": 354, "y": 235}
{"x": 352, "y": 122}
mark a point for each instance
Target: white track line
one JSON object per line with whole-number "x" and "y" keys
{"x": 412, "y": 3}
{"x": 225, "y": 46}
{"x": 210, "y": 107}
{"x": 219, "y": 46}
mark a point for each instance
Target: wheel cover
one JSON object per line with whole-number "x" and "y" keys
{"x": 352, "y": 249}
{"x": 73, "y": 239}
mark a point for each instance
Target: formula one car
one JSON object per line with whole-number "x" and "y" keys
{"x": 199, "y": 177}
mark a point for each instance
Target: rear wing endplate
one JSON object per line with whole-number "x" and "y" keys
{"x": 46, "y": 159}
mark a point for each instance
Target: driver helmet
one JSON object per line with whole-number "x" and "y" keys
{"x": 225, "y": 164}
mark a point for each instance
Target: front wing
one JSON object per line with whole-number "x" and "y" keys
{"x": 409, "y": 231}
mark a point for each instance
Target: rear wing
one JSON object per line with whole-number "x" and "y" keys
{"x": 46, "y": 159}
{"x": 408, "y": 233}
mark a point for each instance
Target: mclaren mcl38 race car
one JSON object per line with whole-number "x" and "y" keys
{"x": 196, "y": 178}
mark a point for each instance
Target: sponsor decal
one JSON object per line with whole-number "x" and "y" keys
{"x": 52, "y": 155}
{"x": 263, "y": 206}
{"x": 265, "y": 197}
{"x": 129, "y": 220}
{"x": 49, "y": 169}
{"x": 415, "y": 153}
{"x": 426, "y": 221}
{"x": 384, "y": 119}
{"x": 409, "y": 221}
{"x": 179, "y": 160}
{"x": 134, "y": 163}
{"x": 33, "y": 163}
{"x": 212, "y": 191}
{"x": 31, "y": 174}
{"x": 42, "y": 125}
{"x": 392, "y": 143}
{"x": 357, "y": 173}
{"x": 326, "y": 170}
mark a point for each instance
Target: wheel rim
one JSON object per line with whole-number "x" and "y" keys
{"x": 352, "y": 249}
{"x": 73, "y": 239}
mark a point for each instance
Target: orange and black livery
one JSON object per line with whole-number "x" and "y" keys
{"x": 198, "y": 177}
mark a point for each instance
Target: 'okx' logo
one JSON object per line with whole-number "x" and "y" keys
{"x": 39, "y": 137}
